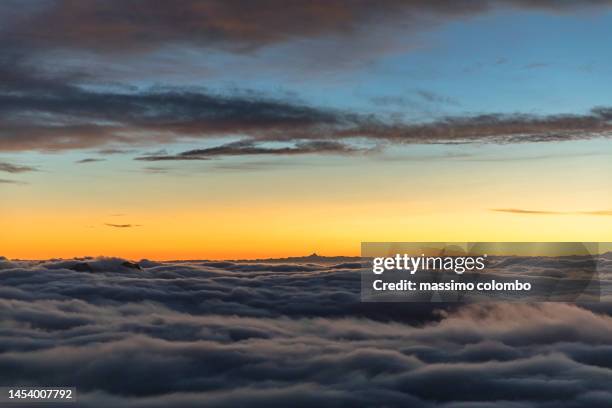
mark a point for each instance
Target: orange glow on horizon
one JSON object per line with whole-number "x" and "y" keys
{"x": 322, "y": 207}
{"x": 268, "y": 233}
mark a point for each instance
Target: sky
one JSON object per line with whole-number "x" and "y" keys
{"x": 236, "y": 129}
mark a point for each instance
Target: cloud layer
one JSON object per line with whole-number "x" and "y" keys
{"x": 52, "y": 113}
{"x": 216, "y": 334}
{"x": 240, "y": 25}
{"x": 57, "y": 109}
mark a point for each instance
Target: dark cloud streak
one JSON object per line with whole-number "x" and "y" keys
{"x": 247, "y": 147}
{"x": 89, "y": 160}
{"x": 14, "y": 168}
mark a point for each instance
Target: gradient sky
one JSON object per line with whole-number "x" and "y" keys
{"x": 239, "y": 130}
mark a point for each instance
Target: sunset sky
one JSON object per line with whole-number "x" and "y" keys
{"x": 243, "y": 130}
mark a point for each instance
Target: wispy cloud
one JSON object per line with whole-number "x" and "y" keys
{"x": 122, "y": 225}
{"x": 419, "y": 99}
{"x": 17, "y": 182}
{"x": 433, "y": 97}
{"x": 248, "y": 147}
{"x": 156, "y": 170}
{"x": 545, "y": 212}
{"x": 14, "y": 168}
{"x": 114, "y": 151}
{"x": 89, "y": 160}
{"x": 536, "y": 65}
{"x": 602, "y": 212}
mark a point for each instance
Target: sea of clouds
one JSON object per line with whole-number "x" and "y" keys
{"x": 279, "y": 334}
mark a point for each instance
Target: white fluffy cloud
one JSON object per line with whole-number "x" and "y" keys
{"x": 218, "y": 334}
